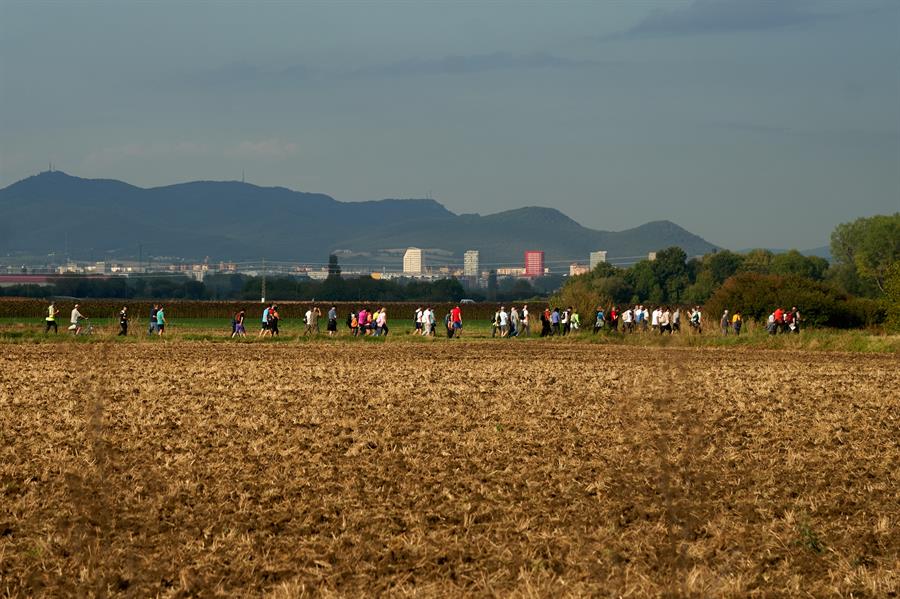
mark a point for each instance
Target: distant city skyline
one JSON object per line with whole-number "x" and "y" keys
{"x": 750, "y": 123}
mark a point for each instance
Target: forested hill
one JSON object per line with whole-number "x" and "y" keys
{"x": 230, "y": 220}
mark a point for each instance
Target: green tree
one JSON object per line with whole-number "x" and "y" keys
{"x": 670, "y": 269}
{"x": 871, "y": 245}
{"x": 795, "y": 263}
{"x": 758, "y": 261}
{"x": 722, "y": 265}
{"x": 892, "y": 291}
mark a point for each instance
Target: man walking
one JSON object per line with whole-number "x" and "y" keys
{"x": 75, "y": 320}
{"x": 51, "y": 319}
{"x": 123, "y": 322}
{"x": 456, "y": 321}
{"x": 525, "y": 328}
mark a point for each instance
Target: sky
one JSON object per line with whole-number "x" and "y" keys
{"x": 752, "y": 123}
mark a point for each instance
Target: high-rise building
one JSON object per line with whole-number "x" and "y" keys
{"x": 470, "y": 263}
{"x": 534, "y": 263}
{"x": 597, "y": 257}
{"x": 412, "y": 261}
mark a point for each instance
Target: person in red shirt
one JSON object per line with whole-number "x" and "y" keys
{"x": 779, "y": 319}
{"x": 456, "y": 321}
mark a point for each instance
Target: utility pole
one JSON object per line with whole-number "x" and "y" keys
{"x": 263, "y": 300}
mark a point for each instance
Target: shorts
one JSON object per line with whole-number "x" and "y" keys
{"x": 264, "y": 327}
{"x": 332, "y": 325}
{"x": 457, "y": 325}
{"x": 160, "y": 327}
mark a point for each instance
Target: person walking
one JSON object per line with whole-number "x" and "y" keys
{"x": 332, "y": 321}
{"x": 503, "y": 322}
{"x": 448, "y": 324}
{"x": 696, "y": 320}
{"x": 665, "y": 322}
{"x": 546, "y": 330}
{"x": 161, "y": 321}
{"x": 574, "y": 320}
{"x": 50, "y": 321}
{"x": 554, "y": 321}
{"x": 513, "y": 322}
{"x": 600, "y": 320}
{"x": 75, "y": 320}
{"x": 796, "y": 320}
{"x": 273, "y": 321}
{"x": 308, "y": 318}
{"x": 724, "y": 323}
{"x": 526, "y": 329}
{"x": 238, "y": 328}
{"x": 123, "y": 322}
{"x": 430, "y": 321}
{"x": 381, "y": 322}
{"x": 456, "y": 321}
{"x": 736, "y": 322}
{"x": 264, "y": 327}
{"x": 151, "y": 330}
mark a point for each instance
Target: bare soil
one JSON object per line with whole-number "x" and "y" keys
{"x": 195, "y": 469}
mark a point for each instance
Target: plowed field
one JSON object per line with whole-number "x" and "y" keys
{"x": 448, "y": 469}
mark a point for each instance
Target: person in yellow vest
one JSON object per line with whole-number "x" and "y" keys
{"x": 50, "y": 321}
{"x": 736, "y": 322}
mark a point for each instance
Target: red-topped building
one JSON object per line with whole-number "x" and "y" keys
{"x": 534, "y": 263}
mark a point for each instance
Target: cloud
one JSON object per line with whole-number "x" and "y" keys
{"x": 726, "y": 16}
{"x": 476, "y": 63}
{"x": 267, "y": 148}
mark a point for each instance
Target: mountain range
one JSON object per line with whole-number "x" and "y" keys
{"x": 231, "y": 220}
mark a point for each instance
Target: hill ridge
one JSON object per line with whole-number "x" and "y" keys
{"x": 229, "y": 220}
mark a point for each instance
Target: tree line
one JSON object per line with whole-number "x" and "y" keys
{"x": 855, "y": 289}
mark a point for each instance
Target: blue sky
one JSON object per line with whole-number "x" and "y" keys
{"x": 749, "y": 122}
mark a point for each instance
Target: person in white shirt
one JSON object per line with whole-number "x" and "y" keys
{"x": 418, "y": 321}
{"x": 503, "y": 318}
{"x": 665, "y": 322}
{"x": 525, "y": 331}
{"x": 645, "y": 317}
{"x": 654, "y": 319}
{"x": 628, "y": 324}
{"x": 75, "y": 320}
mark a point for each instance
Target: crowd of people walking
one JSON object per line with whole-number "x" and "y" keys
{"x": 514, "y": 322}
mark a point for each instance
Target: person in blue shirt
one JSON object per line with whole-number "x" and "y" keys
{"x": 601, "y": 319}
{"x": 264, "y": 329}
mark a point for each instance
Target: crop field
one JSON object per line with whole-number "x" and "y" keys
{"x": 191, "y": 468}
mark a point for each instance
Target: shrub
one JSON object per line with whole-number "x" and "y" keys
{"x": 756, "y": 296}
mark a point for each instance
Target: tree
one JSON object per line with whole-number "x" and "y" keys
{"x": 671, "y": 273}
{"x": 722, "y": 265}
{"x": 892, "y": 289}
{"x": 871, "y": 245}
{"x": 795, "y": 263}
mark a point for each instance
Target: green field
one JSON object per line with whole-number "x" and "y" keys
{"x": 31, "y": 330}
